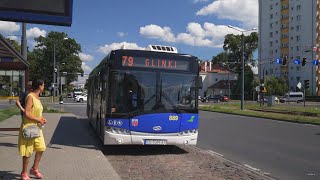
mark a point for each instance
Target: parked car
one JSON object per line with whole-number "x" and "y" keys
{"x": 81, "y": 98}
{"x": 215, "y": 98}
{"x": 292, "y": 97}
{"x": 69, "y": 96}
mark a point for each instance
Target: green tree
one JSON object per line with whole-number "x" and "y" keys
{"x": 66, "y": 53}
{"x": 276, "y": 86}
{"x": 15, "y": 44}
{"x": 231, "y": 58}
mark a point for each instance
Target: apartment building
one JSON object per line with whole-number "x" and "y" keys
{"x": 290, "y": 29}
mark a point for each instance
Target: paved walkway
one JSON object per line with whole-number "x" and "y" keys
{"x": 72, "y": 150}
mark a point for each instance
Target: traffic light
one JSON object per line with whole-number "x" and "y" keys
{"x": 306, "y": 84}
{"x": 285, "y": 60}
{"x": 304, "y": 61}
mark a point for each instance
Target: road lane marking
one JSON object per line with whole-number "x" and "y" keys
{"x": 252, "y": 168}
{"x": 215, "y": 153}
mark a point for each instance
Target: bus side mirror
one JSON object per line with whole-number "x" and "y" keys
{"x": 200, "y": 82}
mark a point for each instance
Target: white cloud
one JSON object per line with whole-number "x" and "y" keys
{"x": 85, "y": 57}
{"x": 107, "y": 48}
{"x": 87, "y": 69}
{"x": 208, "y": 35}
{"x": 121, "y": 34}
{"x": 9, "y": 27}
{"x": 157, "y": 32}
{"x": 198, "y": 1}
{"x": 35, "y": 32}
{"x": 239, "y": 10}
{"x": 15, "y": 38}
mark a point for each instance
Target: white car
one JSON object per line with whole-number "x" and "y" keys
{"x": 81, "y": 98}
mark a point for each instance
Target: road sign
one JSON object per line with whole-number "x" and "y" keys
{"x": 278, "y": 61}
{"x": 297, "y": 61}
{"x": 299, "y": 85}
{"x": 315, "y": 62}
{"x": 315, "y": 49}
{"x": 264, "y": 90}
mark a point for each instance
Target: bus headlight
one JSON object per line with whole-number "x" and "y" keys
{"x": 117, "y": 130}
{"x": 189, "y": 132}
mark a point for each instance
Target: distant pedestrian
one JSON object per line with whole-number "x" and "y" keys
{"x": 21, "y": 101}
{"x": 32, "y": 116}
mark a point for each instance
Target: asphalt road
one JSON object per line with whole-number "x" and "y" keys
{"x": 281, "y": 149}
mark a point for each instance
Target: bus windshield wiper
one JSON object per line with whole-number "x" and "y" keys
{"x": 167, "y": 98}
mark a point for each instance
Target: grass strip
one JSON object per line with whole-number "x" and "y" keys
{"x": 269, "y": 115}
{"x": 8, "y": 112}
{"x": 11, "y": 111}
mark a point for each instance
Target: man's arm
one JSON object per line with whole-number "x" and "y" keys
{"x": 19, "y": 104}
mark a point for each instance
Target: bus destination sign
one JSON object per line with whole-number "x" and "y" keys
{"x": 145, "y": 62}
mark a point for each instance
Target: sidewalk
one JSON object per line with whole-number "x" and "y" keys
{"x": 72, "y": 150}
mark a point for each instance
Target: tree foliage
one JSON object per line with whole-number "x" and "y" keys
{"x": 276, "y": 86}
{"x": 14, "y": 44}
{"x": 66, "y": 55}
{"x": 231, "y": 58}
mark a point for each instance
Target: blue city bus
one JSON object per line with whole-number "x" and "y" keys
{"x": 145, "y": 97}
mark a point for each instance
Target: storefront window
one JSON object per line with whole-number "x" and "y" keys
{"x": 10, "y": 83}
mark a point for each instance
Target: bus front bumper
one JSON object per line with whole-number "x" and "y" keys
{"x": 121, "y": 139}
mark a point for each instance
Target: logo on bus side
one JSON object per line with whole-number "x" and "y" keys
{"x": 134, "y": 122}
{"x": 115, "y": 122}
{"x": 173, "y": 118}
{"x": 157, "y": 128}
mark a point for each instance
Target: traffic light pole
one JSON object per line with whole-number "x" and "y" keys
{"x": 304, "y": 97}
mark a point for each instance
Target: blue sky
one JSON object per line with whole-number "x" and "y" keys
{"x": 195, "y": 27}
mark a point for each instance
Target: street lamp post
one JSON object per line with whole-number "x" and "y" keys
{"x": 242, "y": 61}
{"x": 55, "y": 70}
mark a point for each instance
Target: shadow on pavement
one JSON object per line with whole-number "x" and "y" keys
{"x": 72, "y": 131}
{"x": 139, "y": 150}
{"x": 6, "y": 175}
{"x": 6, "y": 135}
{"x": 8, "y": 145}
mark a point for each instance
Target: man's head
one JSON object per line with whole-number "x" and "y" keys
{"x": 29, "y": 86}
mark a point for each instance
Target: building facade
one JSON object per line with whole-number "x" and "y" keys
{"x": 289, "y": 29}
{"x": 216, "y": 80}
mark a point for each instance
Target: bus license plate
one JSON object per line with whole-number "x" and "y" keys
{"x": 155, "y": 142}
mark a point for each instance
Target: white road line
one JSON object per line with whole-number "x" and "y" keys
{"x": 215, "y": 153}
{"x": 252, "y": 168}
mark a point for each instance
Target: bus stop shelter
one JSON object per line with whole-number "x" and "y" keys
{"x": 13, "y": 70}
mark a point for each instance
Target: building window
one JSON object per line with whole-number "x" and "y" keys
{"x": 271, "y": 16}
{"x": 271, "y": 43}
{"x": 298, "y": 7}
{"x": 298, "y": 17}
{"x": 271, "y": 25}
{"x": 298, "y": 68}
{"x": 298, "y": 38}
{"x": 291, "y": 78}
{"x": 271, "y": 34}
{"x": 292, "y": 28}
{"x": 297, "y": 48}
{"x": 298, "y": 78}
{"x": 216, "y": 79}
{"x": 271, "y": 7}
{"x": 291, "y": 68}
{"x": 298, "y": 28}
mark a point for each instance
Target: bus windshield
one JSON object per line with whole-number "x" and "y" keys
{"x": 140, "y": 92}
